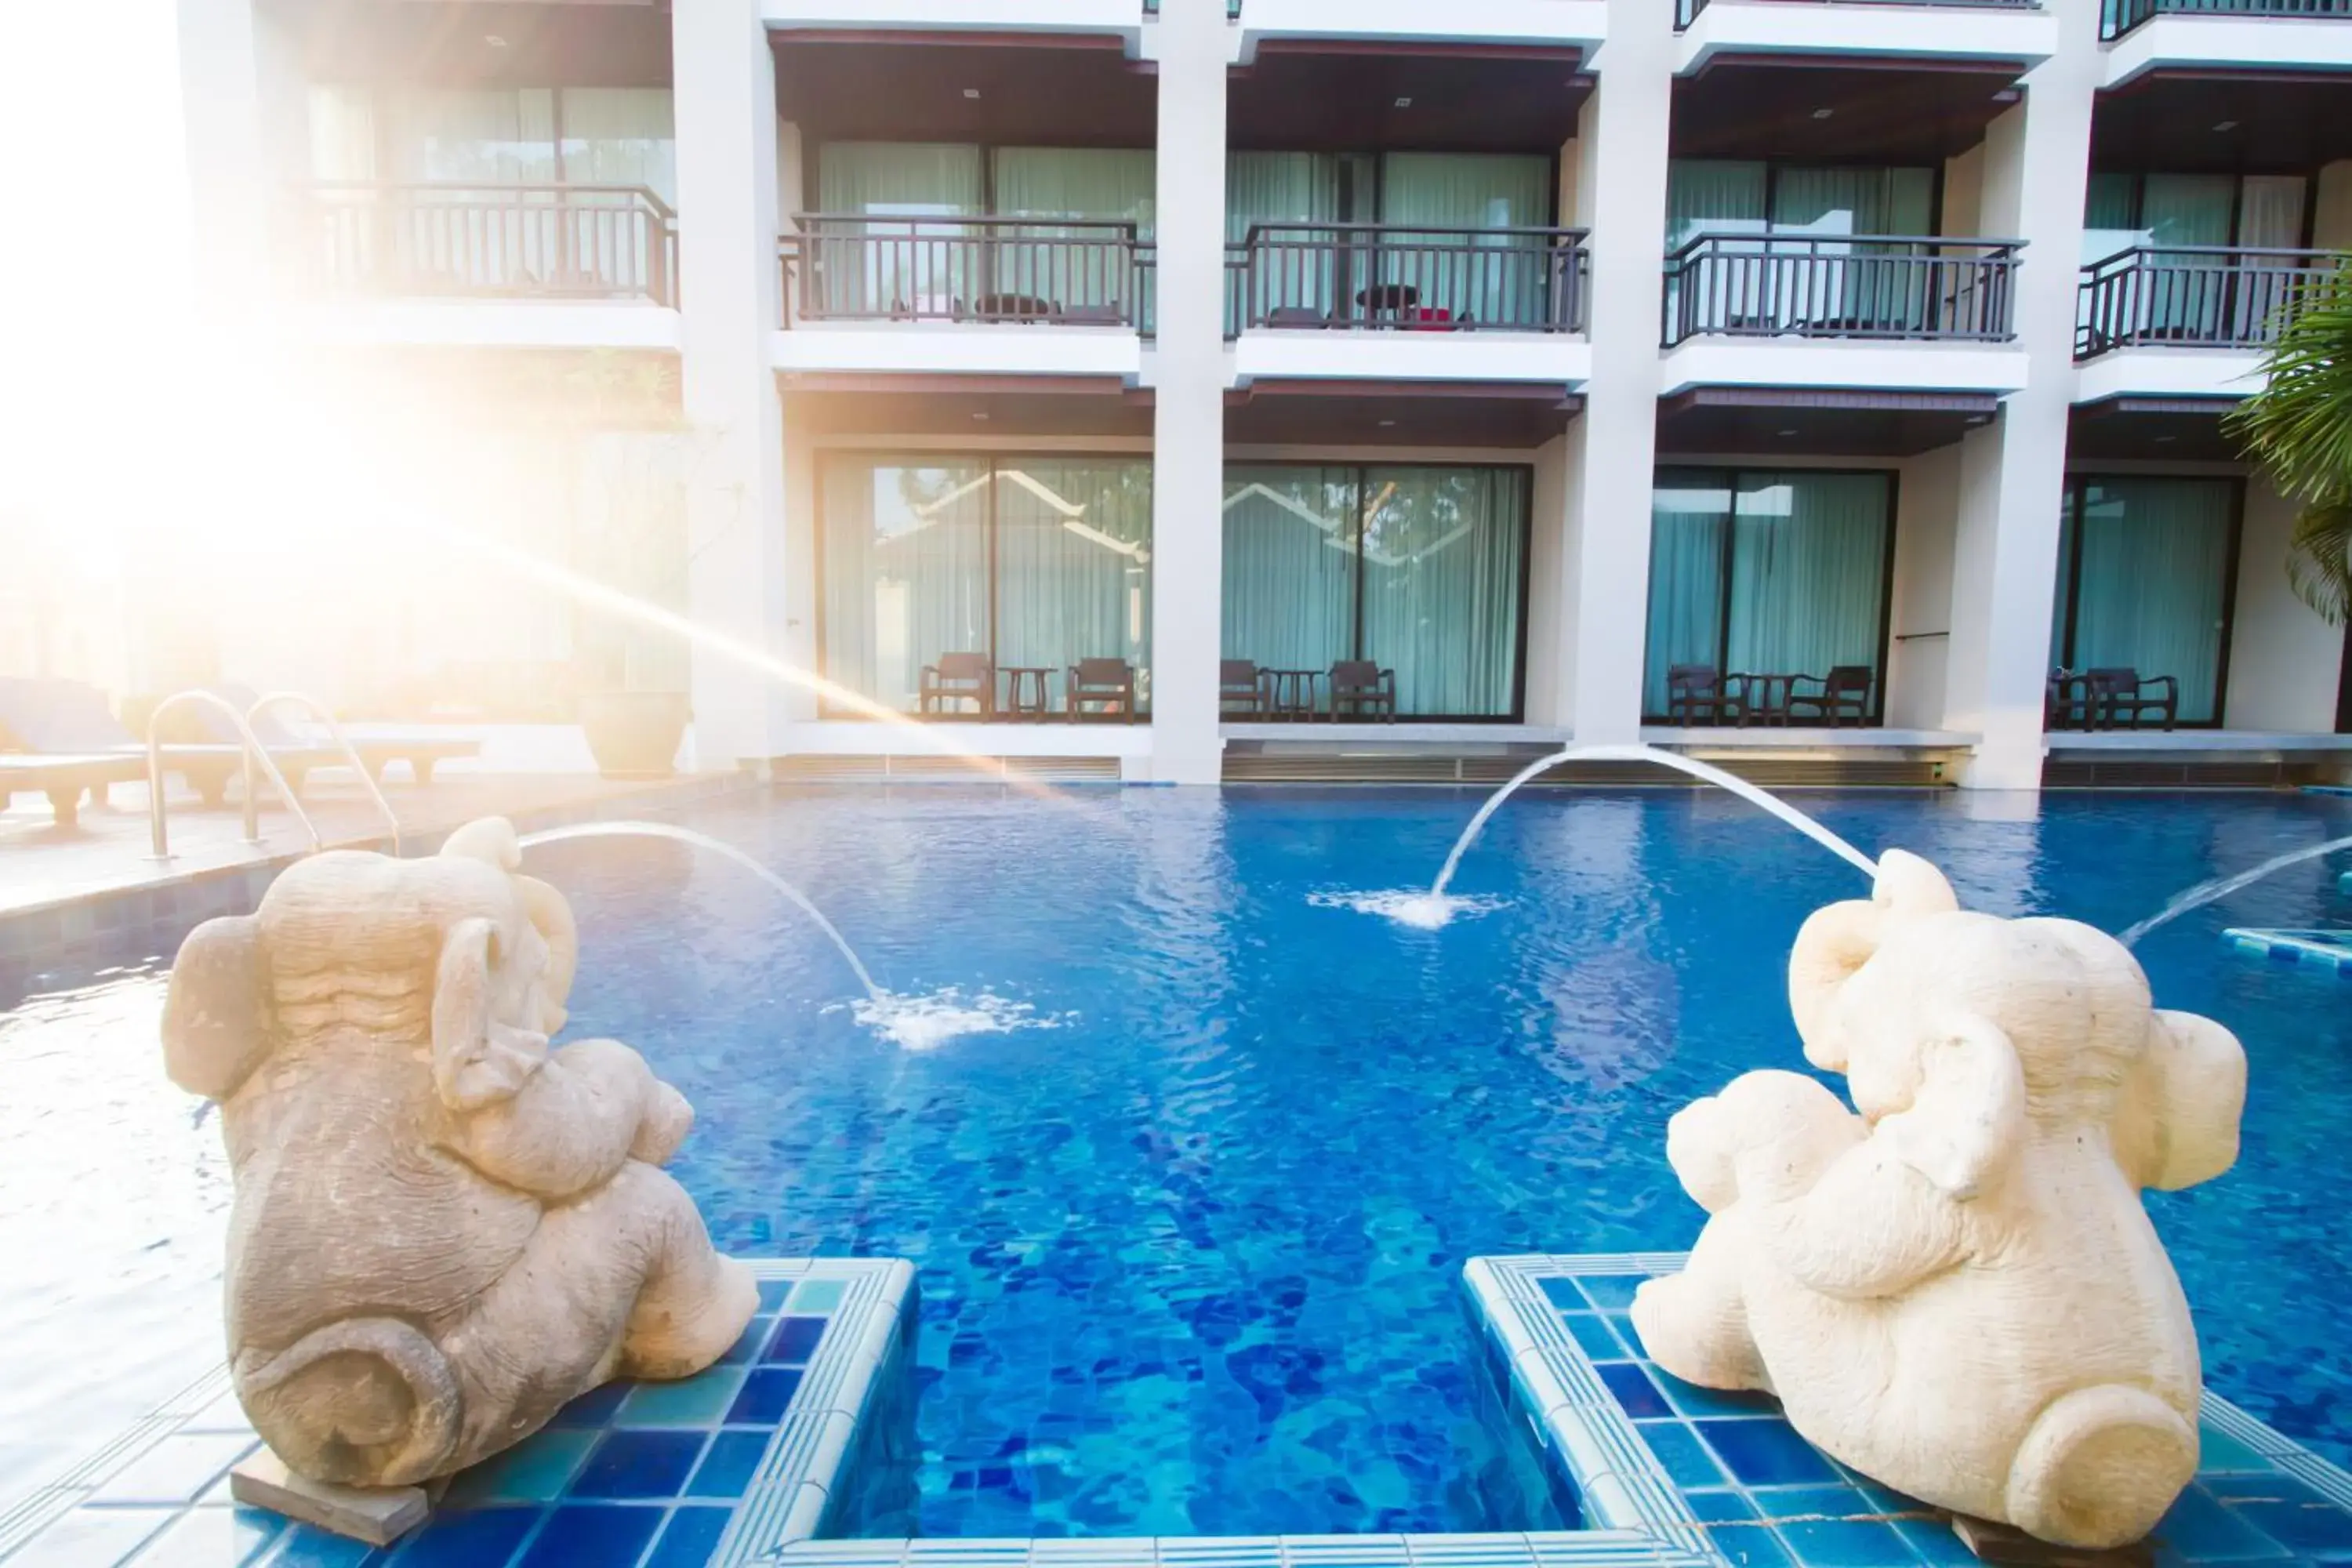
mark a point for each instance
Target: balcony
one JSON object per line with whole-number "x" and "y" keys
{"x": 2118, "y": 17}
{"x": 1385, "y": 277}
{"x": 574, "y": 243}
{"x": 1061, "y": 272}
{"x": 1851, "y": 287}
{"x": 2018, "y": 34}
{"x": 2189, "y": 296}
{"x": 1687, "y": 11}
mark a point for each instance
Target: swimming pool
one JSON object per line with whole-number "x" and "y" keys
{"x": 1190, "y": 1241}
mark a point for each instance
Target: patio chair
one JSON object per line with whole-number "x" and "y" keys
{"x": 2066, "y": 702}
{"x": 1696, "y": 694}
{"x": 1842, "y": 694}
{"x": 1297, "y": 316}
{"x": 1241, "y": 690}
{"x": 62, "y": 719}
{"x": 1106, "y": 684}
{"x": 1362, "y": 690}
{"x": 958, "y": 677}
{"x": 2121, "y": 698}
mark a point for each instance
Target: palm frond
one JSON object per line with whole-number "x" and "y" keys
{"x": 2300, "y": 426}
{"x": 2319, "y": 558}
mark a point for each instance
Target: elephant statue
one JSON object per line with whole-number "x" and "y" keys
{"x": 442, "y": 1229}
{"x": 1958, "y": 1291}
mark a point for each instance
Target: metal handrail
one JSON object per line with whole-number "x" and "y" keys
{"x": 2193, "y": 296}
{"x": 1411, "y": 276}
{"x": 1686, "y": 11}
{"x": 342, "y": 742}
{"x": 487, "y": 238}
{"x": 967, "y": 267}
{"x": 254, "y": 751}
{"x": 1922, "y": 287}
{"x": 2118, "y": 17}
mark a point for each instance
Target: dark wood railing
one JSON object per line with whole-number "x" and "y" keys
{"x": 1843, "y": 286}
{"x": 2118, "y": 17}
{"x": 1366, "y": 277}
{"x": 856, "y": 267}
{"x": 533, "y": 241}
{"x": 1686, "y": 11}
{"x": 2190, "y": 296}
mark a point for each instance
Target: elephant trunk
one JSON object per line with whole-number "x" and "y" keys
{"x": 367, "y": 1402}
{"x": 1839, "y": 939}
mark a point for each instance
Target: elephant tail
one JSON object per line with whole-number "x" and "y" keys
{"x": 364, "y": 1402}
{"x": 2099, "y": 1466}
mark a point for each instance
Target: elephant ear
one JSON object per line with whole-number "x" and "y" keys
{"x": 216, "y": 1018}
{"x": 477, "y": 1060}
{"x": 1839, "y": 939}
{"x": 1969, "y": 1115}
{"x": 490, "y": 839}
{"x": 2177, "y": 1118}
{"x": 551, "y": 914}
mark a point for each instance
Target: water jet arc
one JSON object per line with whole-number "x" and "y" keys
{"x": 1611, "y": 753}
{"x": 2204, "y": 893}
{"x": 718, "y": 846}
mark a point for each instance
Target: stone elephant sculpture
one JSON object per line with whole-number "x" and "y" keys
{"x": 442, "y": 1229}
{"x": 1958, "y": 1291}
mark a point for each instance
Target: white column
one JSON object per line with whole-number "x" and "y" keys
{"x": 728, "y": 278}
{"x": 1620, "y": 195}
{"x": 1188, "y": 414}
{"x": 2014, "y": 472}
{"x": 224, "y": 48}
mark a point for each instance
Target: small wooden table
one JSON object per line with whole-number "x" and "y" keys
{"x": 1290, "y": 693}
{"x": 1019, "y": 702}
{"x": 1764, "y": 699}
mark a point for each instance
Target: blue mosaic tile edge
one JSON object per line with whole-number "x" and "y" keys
{"x": 617, "y": 1478}
{"x": 2317, "y": 948}
{"x": 2259, "y": 1496}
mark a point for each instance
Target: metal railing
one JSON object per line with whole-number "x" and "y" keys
{"x": 1069, "y": 271}
{"x": 2118, "y": 17}
{"x": 326, "y": 720}
{"x": 1363, "y": 276}
{"x": 1686, "y": 11}
{"x": 1845, "y": 286}
{"x": 255, "y": 753}
{"x": 522, "y": 241}
{"x": 2190, "y": 296}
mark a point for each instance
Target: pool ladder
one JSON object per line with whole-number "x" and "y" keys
{"x": 255, "y": 756}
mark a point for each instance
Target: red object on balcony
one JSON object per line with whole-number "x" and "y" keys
{"x": 1428, "y": 319}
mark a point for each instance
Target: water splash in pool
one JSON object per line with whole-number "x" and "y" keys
{"x": 914, "y": 1023}
{"x": 2204, "y": 893}
{"x": 1415, "y": 907}
{"x": 1429, "y": 911}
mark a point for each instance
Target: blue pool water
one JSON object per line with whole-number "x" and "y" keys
{"x": 1190, "y": 1255}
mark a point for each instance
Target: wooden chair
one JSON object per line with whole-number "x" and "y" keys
{"x": 1696, "y": 694}
{"x": 958, "y": 677}
{"x": 1362, "y": 690}
{"x": 1241, "y": 690}
{"x": 1106, "y": 684}
{"x": 2119, "y": 696}
{"x": 1842, "y": 694}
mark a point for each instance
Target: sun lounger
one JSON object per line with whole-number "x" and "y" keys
{"x": 67, "y": 719}
{"x": 378, "y": 749}
{"x": 63, "y": 779}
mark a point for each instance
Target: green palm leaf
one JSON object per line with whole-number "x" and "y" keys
{"x": 2299, "y": 427}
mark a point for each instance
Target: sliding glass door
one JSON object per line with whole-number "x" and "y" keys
{"x": 2146, "y": 570}
{"x": 1768, "y": 572}
{"x": 1421, "y": 570}
{"x": 1037, "y": 561}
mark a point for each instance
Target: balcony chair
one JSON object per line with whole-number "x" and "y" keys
{"x": 1842, "y": 694}
{"x": 1241, "y": 690}
{"x": 958, "y": 677}
{"x": 1697, "y": 694}
{"x": 1091, "y": 316}
{"x": 2065, "y": 703}
{"x": 2120, "y": 698}
{"x": 1297, "y": 316}
{"x": 1107, "y": 684}
{"x": 1362, "y": 690}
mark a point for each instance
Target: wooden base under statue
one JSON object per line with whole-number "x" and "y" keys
{"x": 377, "y": 1515}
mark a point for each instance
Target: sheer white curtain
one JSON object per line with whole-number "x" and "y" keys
{"x": 1443, "y": 553}
{"x": 1299, "y": 270}
{"x": 1289, "y": 599}
{"x": 1488, "y": 278}
{"x": 906, "y": 569}
{"x": 1690, "y": 509}
{"x": 902, "y": 264}
{"x": 2154, "y": 556}
{"x": 1081, "y": 266}
{"x": 1706, "y": 195}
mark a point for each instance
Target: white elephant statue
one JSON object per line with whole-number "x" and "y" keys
{"x": 1958, "y": 1291}
{"x": 442, "y": 1229}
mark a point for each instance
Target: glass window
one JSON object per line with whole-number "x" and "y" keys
{"x": 1109, "y": 183}
{"x": 898, "y": 179}
{"x": 2144, "y": 583}
{"x": 1766, "y": 572}
{"x": 1419, "y": 569}
{"x": 1027, "y": 561}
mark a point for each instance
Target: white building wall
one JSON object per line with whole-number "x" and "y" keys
{"x": 2284, "y": 660}
{"x": 1548, "y": 612}
{"x": 1919, "y": 617}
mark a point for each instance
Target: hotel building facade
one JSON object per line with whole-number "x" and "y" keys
{"x": 1370, "y": 388}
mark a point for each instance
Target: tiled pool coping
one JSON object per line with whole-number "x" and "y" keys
{"x": 769, "y": 1458}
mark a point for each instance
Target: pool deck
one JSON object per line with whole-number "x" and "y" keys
{"x": 790, "y": 1452}
{"x": 61, "y": 887}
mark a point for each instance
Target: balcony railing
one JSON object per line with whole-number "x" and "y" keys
{"x": 1844, "y": 286}
{"x": 1686, "y": 11}
{"x": 1365, "y": 277}
{"x": 2189, "y": 296}
{"x": 1067, "y": 271}
{"x": 2118, "y": 17}
{"x": 534, "y": 241}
